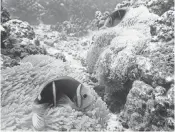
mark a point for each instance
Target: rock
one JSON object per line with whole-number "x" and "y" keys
{"x": 8, "y": 62}
{"x": 159, "y": 7}
{"x": 19, "y": 40}
{"x": 116, "y": 55}
{"x": 19, "y": 29}
{"x": 159, "y": 91}
{"x": 161, "y": 58}
{"x": 163, "y": 28}
{"x": 155, "y": 6}
{"x": 5, "y": 15}
{"x": 147, "y": 108}
{"x": 60, "y": 56}
{"x": 170, "y": 96}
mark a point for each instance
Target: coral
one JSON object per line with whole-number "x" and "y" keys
{"x": 8, "y": 62}
{"x": 159, "y": 7}
{"x": 133, "y": 63}
{"x": 73, "y": 27}
{"x": 19, "y": 40}
{"x": 117, "y": 65}
{"x": 162, "y": 60}
{"x": 100, "y": 42}
{"x": 5, "y": 15}
{"x": 124, "y": 4}
{"x": 155, "y": 6}
{"x": 19, "y": 29}
{"x": 163, "y": 28}
{"x": 20, "y": 86}
{"x": 60, "y": 56}
{"x": 20, "y": 51}
{"x": 147, "y": 108}
{"x": 130, "y": 56}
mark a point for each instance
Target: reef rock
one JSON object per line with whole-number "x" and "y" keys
{"x": 5, "y": 15}
{"x": 163, "y": 28}
{"x": 158, "y": 7}
{"x": 162, "y": 63}
{"x": 147, "y": 108}
{"x": 19, "y": 40}
{"x": 19, "y": 29}
{"x": 8, "y": 62}
{"x": 132, "y": 55}
{"x": 113, "y": 57}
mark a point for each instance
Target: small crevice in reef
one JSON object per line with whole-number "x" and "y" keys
{"x": 115, "y": 100}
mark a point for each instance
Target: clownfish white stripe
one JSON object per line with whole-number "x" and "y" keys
{"x": 79, "y": 96}
{"x": 54, "y": 93}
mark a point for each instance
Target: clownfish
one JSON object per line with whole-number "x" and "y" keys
{"x": 60, "y": 91}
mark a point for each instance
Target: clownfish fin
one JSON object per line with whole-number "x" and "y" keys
{"x": 65, "y": 101}
{"x": 38, "y": 121}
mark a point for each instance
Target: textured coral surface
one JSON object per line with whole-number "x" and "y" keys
{"x": 134, "y": 54}
{"x": 20, "y": 86}
{"x": 147, "y": 108}
{"x": 131, "y": 66}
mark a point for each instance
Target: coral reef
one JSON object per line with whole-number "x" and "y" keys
{"x": 8, "y": 62}
{"x": 100, "y": 42}
{"x": 18, "y": 40}
{"x": 75, "y": 27}
{"x": 155, "y": 6}
{"x": 148, "y": 109}
{"x": 115, "y": 65}
{"x": 20, "y": 86}
{"x": 5, "y": 15}
{"x": 159, "y": 7}
{"x": 163, "y": 28}
{"x": 129, "y": 67}
{"x": 132, "y": 54}
{"x": 19, "y": 29}
{"x": 162, "y": 63}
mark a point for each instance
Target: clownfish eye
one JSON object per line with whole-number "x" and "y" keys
{"x": 84, "y": 96}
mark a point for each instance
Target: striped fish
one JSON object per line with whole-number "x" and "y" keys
{"x": 63, "y": 91}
